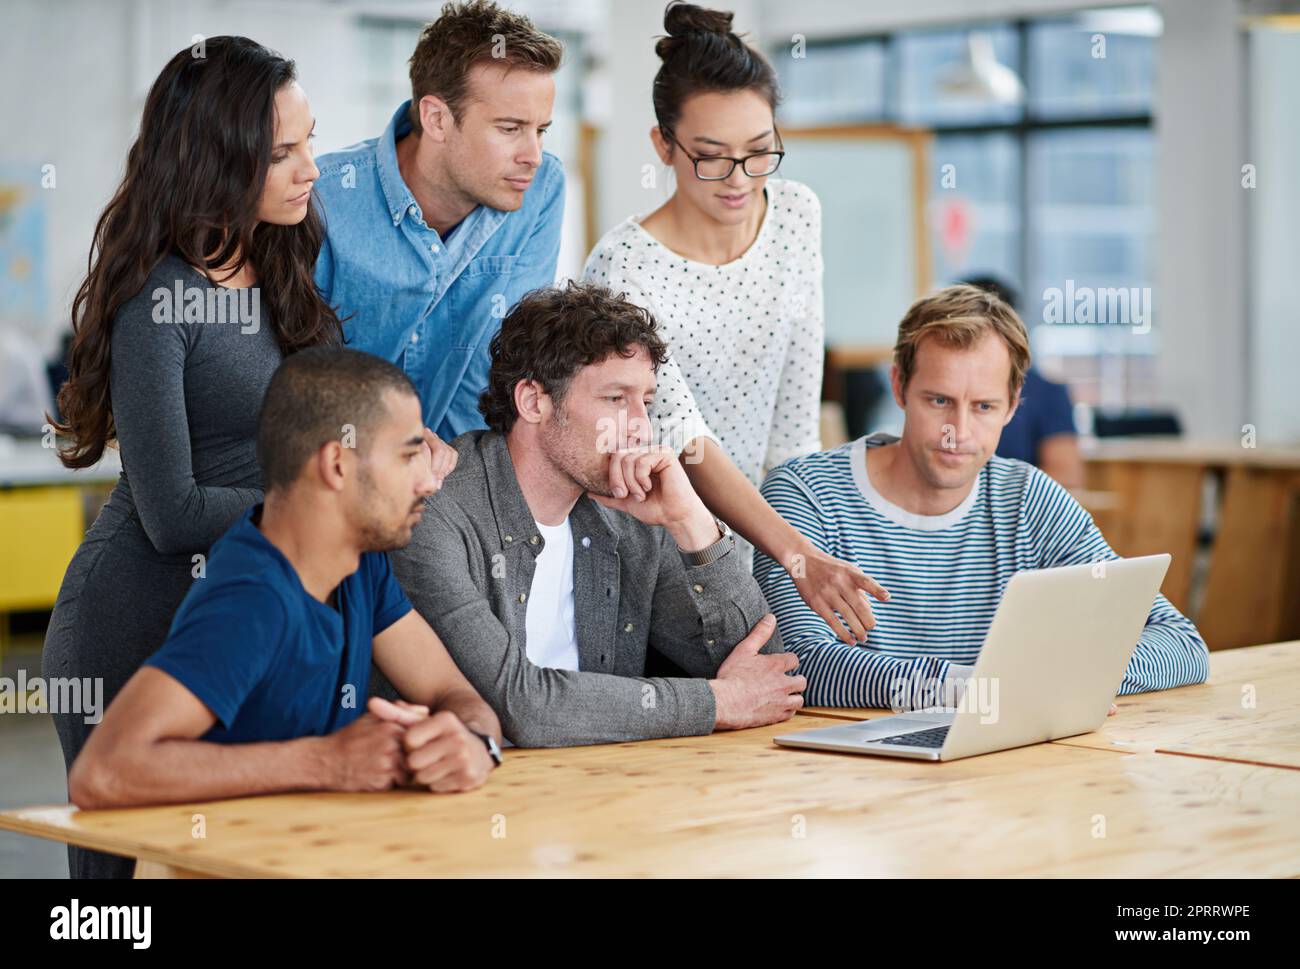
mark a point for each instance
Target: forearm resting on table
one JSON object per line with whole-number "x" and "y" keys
{"x": 169, "y": 771}
{"x": 472, "y": 710}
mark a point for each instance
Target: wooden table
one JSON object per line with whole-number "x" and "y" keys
{"x": 1184, "y": 782}
{"x": 1158, "y": 484}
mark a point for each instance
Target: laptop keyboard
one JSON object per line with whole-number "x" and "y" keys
{"x": 920, "y": 738}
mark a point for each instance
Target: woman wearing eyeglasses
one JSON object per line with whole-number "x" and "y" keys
{"x": 731, "y": 268}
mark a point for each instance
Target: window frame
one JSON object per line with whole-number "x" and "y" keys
{"x": 1022, "y": 129}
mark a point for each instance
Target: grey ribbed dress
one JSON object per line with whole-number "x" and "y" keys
{"x": 185, "y": 399}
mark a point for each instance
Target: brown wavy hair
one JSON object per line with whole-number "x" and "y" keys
{"x": 554, "y": 332}
{"x": 477, "y": 32}
{"x": 193, "y": 180}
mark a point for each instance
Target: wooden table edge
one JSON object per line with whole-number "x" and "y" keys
{"x": 154, "y": 862}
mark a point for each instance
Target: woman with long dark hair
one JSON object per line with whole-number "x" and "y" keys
{"x": 199, "y": 282}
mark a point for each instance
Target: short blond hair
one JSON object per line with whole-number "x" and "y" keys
{"x": 959, "y": 316}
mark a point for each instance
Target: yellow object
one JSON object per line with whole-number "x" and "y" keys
{"x": 40, "y": 529}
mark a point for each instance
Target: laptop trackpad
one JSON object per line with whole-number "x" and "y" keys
{"x": 889, "y": 726}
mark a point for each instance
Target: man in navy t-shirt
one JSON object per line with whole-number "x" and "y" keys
{"x": 260, "y": 685}
{"x": 1045, "y": 411}
{"x": 265, "y": 656}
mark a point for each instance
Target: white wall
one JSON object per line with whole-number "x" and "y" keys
{"x": 76, "y": 73}
{"x": 1272, "y": 394}
{"x": 63, "y": 73}
{"x": 1199, "y": 298}
{"x": 831, "y": 18}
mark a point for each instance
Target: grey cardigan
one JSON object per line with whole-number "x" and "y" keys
{"x": 469, "y": 568}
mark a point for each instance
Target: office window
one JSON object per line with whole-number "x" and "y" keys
{"x": 1091, "y": 224}
{"x": 1094, "y": 65}
{"x": 831, "y": 83}
{"x": 1054, "y": 188}
{"x": 926, "y": 61}
{"x": 974, "y": 217}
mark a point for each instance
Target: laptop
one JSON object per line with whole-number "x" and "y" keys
{"x": 1050, "y": 665}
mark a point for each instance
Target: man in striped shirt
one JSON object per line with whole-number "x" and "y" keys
{"x": 942, "y": 523}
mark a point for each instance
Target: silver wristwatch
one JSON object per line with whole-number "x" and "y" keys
{"x": 711, "y": 553}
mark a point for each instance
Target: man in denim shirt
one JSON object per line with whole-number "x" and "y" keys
{"x": 437, "y": 227}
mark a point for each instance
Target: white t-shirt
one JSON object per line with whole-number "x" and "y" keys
{"x": 551, "y": 635}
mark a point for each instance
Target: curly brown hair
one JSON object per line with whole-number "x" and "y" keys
{"x": 554, "y": 332}
{"x": 466, "y": 34}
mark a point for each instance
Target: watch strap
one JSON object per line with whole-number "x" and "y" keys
{"x": 711, "y": 553}
{"x": 494, "y": 751}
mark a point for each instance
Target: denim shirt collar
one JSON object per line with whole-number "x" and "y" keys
{"x": 396, "y": 193}
{"x": 480, "y": 223}
{"x": 514, "y": 519}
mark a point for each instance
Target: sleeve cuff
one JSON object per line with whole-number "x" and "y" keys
{"x": 224, "y": 712}
{"x": 698, "y": 708}
{"x": 391, "y": 616}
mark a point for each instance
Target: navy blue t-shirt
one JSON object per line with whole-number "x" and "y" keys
{"x": 1044, "y": 410}
{"x": 270, "y": 661}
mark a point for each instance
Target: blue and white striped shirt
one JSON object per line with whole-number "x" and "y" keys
{"x": 945, "y": 574}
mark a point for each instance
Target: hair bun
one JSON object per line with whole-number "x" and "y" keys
{"x": 681, "y": 20}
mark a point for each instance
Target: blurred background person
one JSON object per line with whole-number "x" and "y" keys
{"x": 1041, "y": 431}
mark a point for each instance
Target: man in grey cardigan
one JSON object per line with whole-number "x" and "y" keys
{"x": 565, "y": 547}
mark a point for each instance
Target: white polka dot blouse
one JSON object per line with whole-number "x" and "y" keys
{"x": 746, "y": 338}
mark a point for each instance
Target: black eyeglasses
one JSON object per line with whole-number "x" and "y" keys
{"x": 715, "y": 168}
